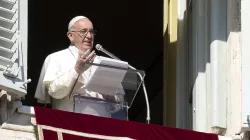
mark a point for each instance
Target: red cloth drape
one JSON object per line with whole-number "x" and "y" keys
{"x": 110, "y": 127}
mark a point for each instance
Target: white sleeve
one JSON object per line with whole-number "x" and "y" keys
{"x": 59, "y": 85}
{"x": 62, "y": 86}
{"x": 41, "y": 93}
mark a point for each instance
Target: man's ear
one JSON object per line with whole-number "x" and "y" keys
{"x": 70, "y": 36}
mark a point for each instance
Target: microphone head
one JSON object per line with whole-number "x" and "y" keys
{"x": 98, "y": 47}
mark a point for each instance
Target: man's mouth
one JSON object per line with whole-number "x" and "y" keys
{"x": 88, "y": 43}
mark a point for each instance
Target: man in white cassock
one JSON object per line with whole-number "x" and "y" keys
{"x": 64, "y": 73}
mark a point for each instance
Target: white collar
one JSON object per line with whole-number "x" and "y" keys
{"x": 74, "y": 50}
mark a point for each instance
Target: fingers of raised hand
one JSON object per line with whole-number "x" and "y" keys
{"x": 85, "y": 54}
{"x": 91, "y": 56}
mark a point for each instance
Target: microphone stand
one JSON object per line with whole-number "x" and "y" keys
{"x": 99, "y": 48}
{"x": 145, "y": 94}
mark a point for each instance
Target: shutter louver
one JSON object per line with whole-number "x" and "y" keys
{"x": 13, "y": 46}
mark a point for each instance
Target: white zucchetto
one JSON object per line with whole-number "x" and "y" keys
{"x": 74, "y": 20}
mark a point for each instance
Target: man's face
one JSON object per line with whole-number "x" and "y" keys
{"x": 82, "y": 35}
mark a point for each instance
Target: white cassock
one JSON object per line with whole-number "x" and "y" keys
{"x": 57, "y": 79}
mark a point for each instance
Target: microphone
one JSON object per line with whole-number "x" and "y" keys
{"x": 100, "y": 48}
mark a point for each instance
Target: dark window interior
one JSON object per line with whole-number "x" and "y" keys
{"x": 131, "y": 29}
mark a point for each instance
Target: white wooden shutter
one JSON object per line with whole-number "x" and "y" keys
{"x": 13, "y": 46}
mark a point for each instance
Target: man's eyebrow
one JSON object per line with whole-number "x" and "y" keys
{"x": 85, "y": 29}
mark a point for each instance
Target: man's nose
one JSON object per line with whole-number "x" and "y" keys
{"x": 89, "y": 35}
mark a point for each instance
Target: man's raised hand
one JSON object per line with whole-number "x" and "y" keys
{"x": 82, "y": 59}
